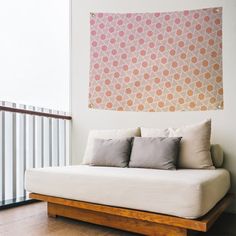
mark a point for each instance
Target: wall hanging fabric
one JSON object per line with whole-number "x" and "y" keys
{"x": 156, "y": 61}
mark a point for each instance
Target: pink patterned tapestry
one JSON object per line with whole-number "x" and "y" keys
{"x": 153, "y": 62}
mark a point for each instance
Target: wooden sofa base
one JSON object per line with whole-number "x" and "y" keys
{"x": 114, "y": 221}
{"x": 141, "y": 222}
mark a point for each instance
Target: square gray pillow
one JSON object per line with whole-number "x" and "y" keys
{"x": 155, "y": 153}
{"x": 111, "y": 152}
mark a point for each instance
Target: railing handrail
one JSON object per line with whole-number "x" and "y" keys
{"x": 36, "y": 113}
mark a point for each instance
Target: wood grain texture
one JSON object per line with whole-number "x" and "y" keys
{"x": 202, "y": 224}
{"x": 134, "y": 214}
{"x": 114, "y": 221}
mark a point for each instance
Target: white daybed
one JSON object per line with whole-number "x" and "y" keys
{"x": 122, "y": 197}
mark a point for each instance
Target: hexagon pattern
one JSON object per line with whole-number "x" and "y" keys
{"x": 156, "y": 62}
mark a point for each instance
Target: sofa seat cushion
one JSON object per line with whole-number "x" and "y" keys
{"x": 184, "y": 192}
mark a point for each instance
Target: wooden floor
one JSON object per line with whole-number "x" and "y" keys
{"x": 32, "y": 220}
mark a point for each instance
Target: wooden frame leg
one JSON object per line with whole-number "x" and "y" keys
{"x": 50, "y": 211}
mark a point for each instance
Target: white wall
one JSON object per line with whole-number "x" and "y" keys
{"x": 34, "y": 52}
{"x": 224, "y": 128}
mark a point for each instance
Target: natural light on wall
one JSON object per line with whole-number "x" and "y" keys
{"x": 34, "y": 58}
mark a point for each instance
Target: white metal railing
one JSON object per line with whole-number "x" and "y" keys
{"x": 30, "y": 137}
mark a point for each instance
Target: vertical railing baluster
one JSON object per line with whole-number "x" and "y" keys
{"x": 61, "y": 142}
{"x": 30, "y": 140}
{"x": 8, "y": 160}
{"x": 42, "y": 139}
{"x": 1, "y": 157}
{"x": 3, "y": 154}
{"x": 20, "y": 153}
{"x": 24, "y": 149}
{"x": 14, "y": 162}
{"x": 46, "y": 138}
{"x": 64, "y": 134}
{"x": 33, "y": 124}
{"x": 68, "y": 142}
{"x": 38, "y": 139}
{"x": 57, "y": 142}
{"x": 50, "y": 139}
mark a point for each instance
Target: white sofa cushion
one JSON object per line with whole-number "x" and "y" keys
{"x": 106, "y": 134}
{"x": 194, "y": 146}
{"x": 183, "y": 193}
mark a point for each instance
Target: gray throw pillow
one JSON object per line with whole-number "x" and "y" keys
{"x": 194, "y": 146}
{"x": 155, "y": 153}
{"x": 111, "y": 152}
